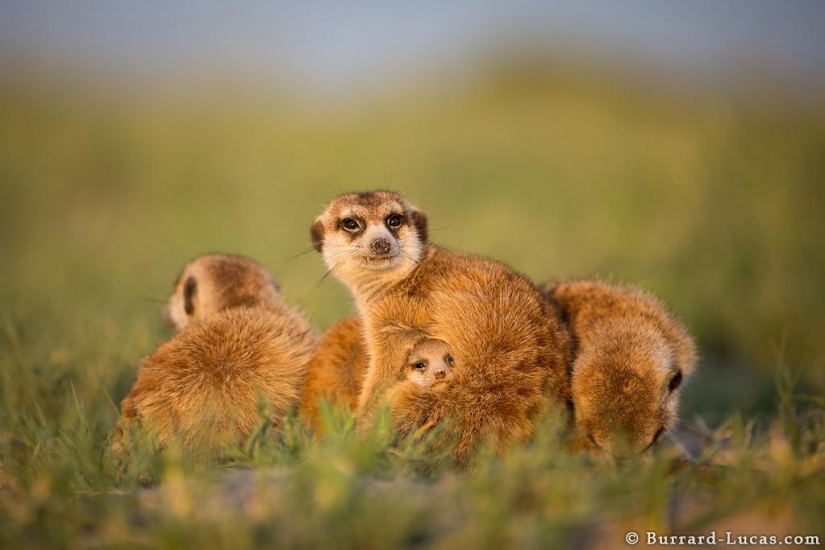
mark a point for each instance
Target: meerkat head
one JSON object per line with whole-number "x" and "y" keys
{"x": 216, "y": 282}
{"x": 626, "y": 395}
{"x": 369, "y": 238}
{"x": 430, "y": 364}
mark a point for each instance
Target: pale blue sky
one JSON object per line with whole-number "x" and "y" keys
{"x": 329, "y": 44}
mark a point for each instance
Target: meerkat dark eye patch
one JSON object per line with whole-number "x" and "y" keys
{"x": 675, "y": 382}
{"x": 350, "y": 224}
{"x": 394, "y": 221}
{"x": 190, "y": 292}
{"x": 449, "y": 359}
{"x": 420, "y": 366}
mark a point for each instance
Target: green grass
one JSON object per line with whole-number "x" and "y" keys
{"x": 713, "y": 204}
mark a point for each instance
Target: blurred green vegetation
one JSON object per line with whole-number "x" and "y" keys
{"x": 713, "y": 203}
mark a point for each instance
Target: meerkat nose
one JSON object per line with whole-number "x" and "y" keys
{"x": 440, "y": 373}
{"x": 167, "y": 317}
{"x": 381, "y": 246}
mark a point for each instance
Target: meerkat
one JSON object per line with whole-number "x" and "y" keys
{"x": 216, "y": 282}
{"x": 430, "y": 364}
{"x": 336, "y": 371}
{"x": 512, "y": 365}
{"x": 213, "y": 382}
{"x": 340, "y": 363}
{"x": 631, "y": 359}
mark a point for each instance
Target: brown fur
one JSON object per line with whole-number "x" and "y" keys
{"x": 216, "y": 282}
{"x": 630, "y": 349}
{"x": 336, "y": 371}
{"x": 211, "y": 384}
{"x": 241, "y": 354}
{"x": 511, "y": 364}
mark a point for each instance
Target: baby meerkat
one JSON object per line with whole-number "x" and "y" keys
{"x": 430, "y": 364}
{"x": 244, "y": 359}
{"x": 216, "y": 282}
{"x": 512, "y": 363}
{"x": 340, "y": 362}
{"x": 632, "y": 357}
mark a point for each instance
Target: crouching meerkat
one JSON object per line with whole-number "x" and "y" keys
{"x": 511, "y": 364}
{"x": 244, "y": 359}
{"x": 631, "y": 359}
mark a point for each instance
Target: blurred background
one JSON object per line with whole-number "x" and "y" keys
{"x": 676, "y": 146}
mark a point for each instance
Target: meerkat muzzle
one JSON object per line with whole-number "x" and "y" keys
{"x": 381, "y": 246}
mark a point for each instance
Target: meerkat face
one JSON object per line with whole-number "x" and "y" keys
{"x": 430, "y": 364}
{"x": 370, "y": 237}
{"x": 215, "y": 282}
{"x": 624, "y": 407}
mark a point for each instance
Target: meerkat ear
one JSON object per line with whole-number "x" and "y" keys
{"x": 317, "y": 234}
{"x": 190, "y": 292}
{"x": 420, "y": 222}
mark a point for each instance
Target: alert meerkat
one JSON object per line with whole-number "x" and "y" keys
{"x": 430, "y": 364}
{"x": 632, "y": 357}
{"x": 216, "y": 282}
{"x": 336, "y": 371}
{"x": 214, "y": 381}
{"x": 340, "y": 362}
{"x": 512, "y": 365}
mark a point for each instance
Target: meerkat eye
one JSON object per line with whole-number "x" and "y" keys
{"x": 420, "y": 365}
{"x": 394, "y": 221}
{"x": 675, "y": 382}
{"x": 350, "y": 224}
{"x": 449, "y": 359}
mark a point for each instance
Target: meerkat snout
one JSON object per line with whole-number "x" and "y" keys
{"x": 381, "y": 246}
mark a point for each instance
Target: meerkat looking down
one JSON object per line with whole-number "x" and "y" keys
{"x": 430, "y": 364}
{"x": 214, "y": 381}
{"x": 511, "y": 363}
{"x": 217, "y": 282}
{"x": 631, "y": 360}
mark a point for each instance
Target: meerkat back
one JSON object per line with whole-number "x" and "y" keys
{"x": 240, "y": 352}
{"x": 217, "y": 380}
{"x": 632, "y": 356}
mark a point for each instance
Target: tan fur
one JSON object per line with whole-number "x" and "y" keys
{"x": 511, "y": 364}
{"x": 629, "y": 350}
{"x": 216, "y": 282}
{"x": 212, "y": 383}
{"x": 240, "y": 356}
{"x": 336, "y": 371}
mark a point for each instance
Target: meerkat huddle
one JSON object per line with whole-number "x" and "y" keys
{"x": 443, "y": 340}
